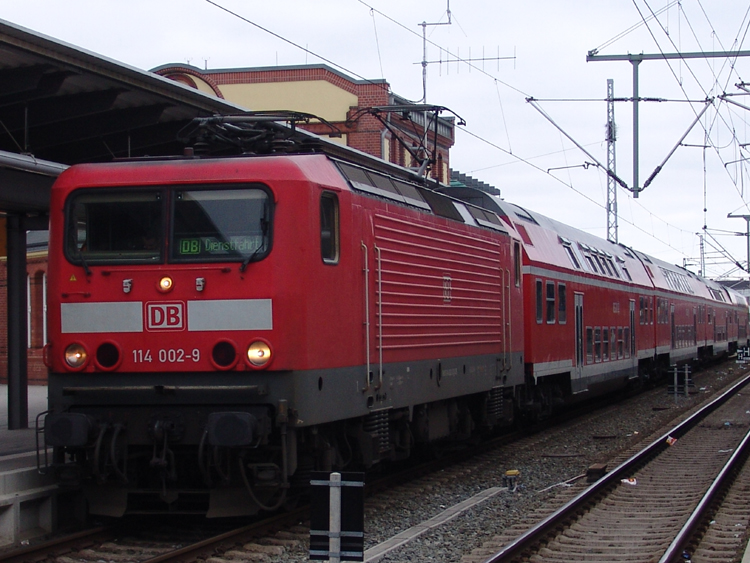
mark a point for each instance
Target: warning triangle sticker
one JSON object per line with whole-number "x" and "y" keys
{"x": 73, "y": 278}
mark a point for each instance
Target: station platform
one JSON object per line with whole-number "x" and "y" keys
{"x": 31, "y": 505}
{"x": 13, "y": 442}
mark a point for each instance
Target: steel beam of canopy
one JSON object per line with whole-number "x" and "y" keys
{"x": 24, "y": 193}
{"x": 636, "y": 60}
{"x": 747, "y": 234}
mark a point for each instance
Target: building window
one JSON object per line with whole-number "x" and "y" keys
{"x": 562, "y": 304}
{"x": 36, "y": 310}
{"x": 329, "y": 228}
{"x": 28, "y": 311}
{"x": 550, "y": 302}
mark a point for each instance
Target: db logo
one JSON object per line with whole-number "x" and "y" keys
{"x": 164, "y": 316}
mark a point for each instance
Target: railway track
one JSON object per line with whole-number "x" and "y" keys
{"x": 657, "y": 505}
{"x": 284, "y": 538}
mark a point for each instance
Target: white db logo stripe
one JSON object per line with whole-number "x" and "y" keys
{"x": 164, "y": 316}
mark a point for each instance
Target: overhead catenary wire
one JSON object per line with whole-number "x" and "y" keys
{"x": 480, "y": 70}
{"x": 377, "y": 44}
{"x": 585, "y": 196}
{"x": 297, "y": 45}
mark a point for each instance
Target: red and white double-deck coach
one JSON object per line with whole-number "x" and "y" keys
{"x": 600, "y": 316}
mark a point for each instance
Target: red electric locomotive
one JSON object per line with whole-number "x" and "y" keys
{"x": 220, "y": 327}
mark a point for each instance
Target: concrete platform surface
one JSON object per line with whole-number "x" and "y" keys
{"x": 21, "y": 441}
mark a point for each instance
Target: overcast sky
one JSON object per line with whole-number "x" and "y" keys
{"x": 506, "y": 142}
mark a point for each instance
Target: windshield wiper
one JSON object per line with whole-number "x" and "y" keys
{"x": 250, "y": 257}
{"x": 84, "y": 264}
{"x": 264, "y": 232}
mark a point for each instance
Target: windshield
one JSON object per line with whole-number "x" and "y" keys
{"x": 220, "y": 225}
{"x": 129, "y": 226}
{"x": 122, "y": 227}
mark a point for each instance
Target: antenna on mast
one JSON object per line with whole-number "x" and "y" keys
{"x": 425, "y": 62}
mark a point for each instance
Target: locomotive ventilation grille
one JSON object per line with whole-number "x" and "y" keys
{"x": 376, "y": 424}
{"x": 495, "y": 404}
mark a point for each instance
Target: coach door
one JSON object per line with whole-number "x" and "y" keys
{"x": 632, "y": 344}
{"x": 672, "y": 326}
{"x": 577, "y": 384}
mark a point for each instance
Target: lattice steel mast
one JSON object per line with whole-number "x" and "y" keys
{"x": 611, "y": 164}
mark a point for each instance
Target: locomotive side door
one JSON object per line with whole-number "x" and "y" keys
{"x": 577, "y": 384}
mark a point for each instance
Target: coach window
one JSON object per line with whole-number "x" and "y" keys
{"x": 626, "y": 341}
{"x": 517, "y": 263}
{"x": 550, "y": 302}
{"x": 329, "y": 228}
{"x": 567, "y": 245}
{"x": 599, "y": 265}
{"x": 589, "y": 345}
{"x": 605, "y": 343}
{"x": 598, "y": 344}
{"x": 562, "y": 304}
{"x": 539, "y": 301}
{"x": 590, "y": 262}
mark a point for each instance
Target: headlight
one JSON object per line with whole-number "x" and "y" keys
{"x": 259, "y": 354}
{"x": 75, "y": 355}
{"x": 165, "y": 284}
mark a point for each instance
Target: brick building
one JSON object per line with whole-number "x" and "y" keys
{"x": 339, "y": 99}
{"x": 36, "y": 311}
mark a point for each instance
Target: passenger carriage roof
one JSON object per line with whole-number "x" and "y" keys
{"x": 550, "y": 243}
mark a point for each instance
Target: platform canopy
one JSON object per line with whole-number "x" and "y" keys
{"x": 62, "y": 105}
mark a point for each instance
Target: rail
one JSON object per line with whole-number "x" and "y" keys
{"x": 523, "y": 543}
{"x": 723, "y": 479}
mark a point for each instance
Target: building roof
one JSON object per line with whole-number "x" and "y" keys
{"x": 64, "y": 104}
{"x": 461, "y": 180}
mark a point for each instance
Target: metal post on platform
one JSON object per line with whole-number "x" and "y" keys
{"x": 337, "y": 517}
{"x": 674, "y": 369}
{"x": 18, "y": 393}
{"x": 334, "y": 522}
{"x": 687, "y": 376}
